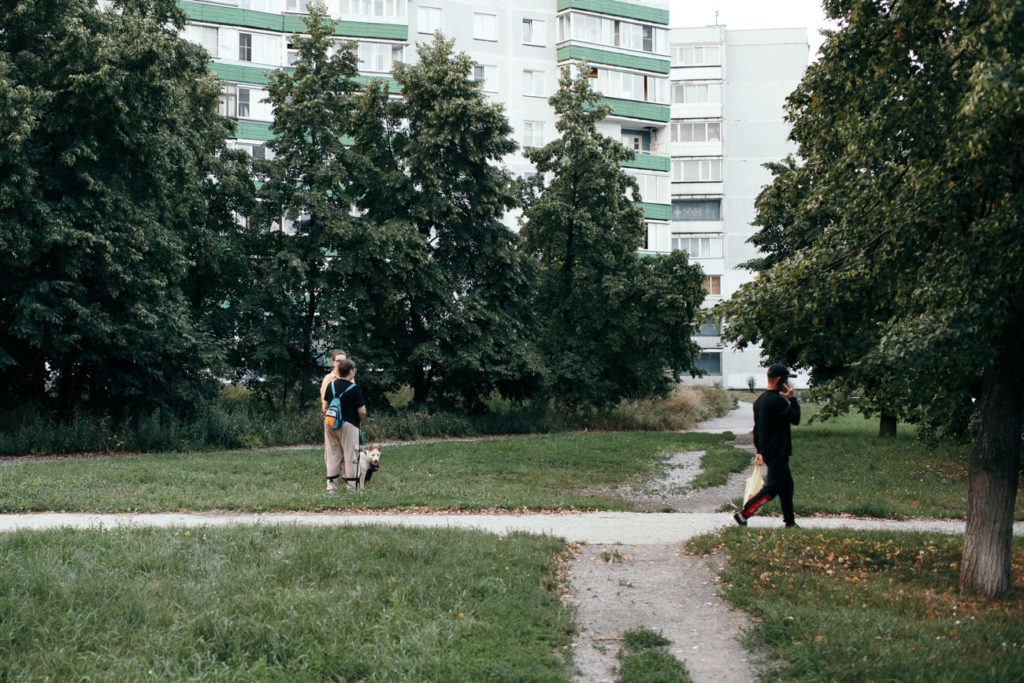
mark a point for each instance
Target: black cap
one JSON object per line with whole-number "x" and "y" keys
{"x": 779, "y": 370}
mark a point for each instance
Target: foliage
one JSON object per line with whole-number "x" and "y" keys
{"x": 908, "y": 140}
{"x": 853, "y": 606}
{"x": 108, "y": 133}
{"x": 303, "y": 219}
{"x": 264, "y": 603}
{"x": 433, "y": 163}
{"x": 609, "y": 321}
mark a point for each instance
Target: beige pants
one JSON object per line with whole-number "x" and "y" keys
{"x": 341, "y": 446}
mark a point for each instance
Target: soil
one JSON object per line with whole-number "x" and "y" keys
{"x": 619, "y": 587}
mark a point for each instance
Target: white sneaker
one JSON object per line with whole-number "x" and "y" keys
{"x": 332, "y": 485}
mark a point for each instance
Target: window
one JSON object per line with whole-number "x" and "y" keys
{"x": 376, "y": 8}
{"x": 533, "y": 31}
{"x": 296, "y": 6}
{"x": 533, "y": 83}
{"x": 710, "y": 362}
{"x": 697, "y": 131}
{"x": 228, "y": 105}
{"x": 710, "y": 328}
{"x": 654, "y": 188}
{"x": 696, "y": 55}
{"x": 533, "y": 133}
{"x": 631, "y": 86}
{"x": 206, "y": 36}
{"x": 485, "y": 74}
{"x": 698, "y": 246}
{"x": 485, "y": 26}
{"x": 245, "y": 47}
{"x": 701, "y": 170}
{"x": 378, "y": 57}
{"x": 291, "y": 54}
{"x": 696, "y": 93}
{"x": 696, "y": 209}
{"x": 243, "y": 103}
{"x": 428, "y": 19}
{"x": 254, "y": 149}
{"x": 713, "y": 285}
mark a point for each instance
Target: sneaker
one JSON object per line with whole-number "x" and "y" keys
{"x": 739, "y": 519}
{"x": 332, "y": 485}
{"x": 792, "y": 525}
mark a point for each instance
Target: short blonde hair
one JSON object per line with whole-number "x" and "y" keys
{"x": 336, "y": 354}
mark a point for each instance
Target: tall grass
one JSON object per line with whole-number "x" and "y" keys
{"x": 238, "y": 419}
{"x": 281, "y": 603}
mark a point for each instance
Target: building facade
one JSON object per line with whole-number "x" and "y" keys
{"x": 701, "y": 107}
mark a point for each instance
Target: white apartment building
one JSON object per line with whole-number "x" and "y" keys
{"x": 728, "y": 93}
{"x": 701, "y": 107}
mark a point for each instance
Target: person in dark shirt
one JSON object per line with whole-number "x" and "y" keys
{"x": 342, "y": 445}
{"x": 774, "y": 411}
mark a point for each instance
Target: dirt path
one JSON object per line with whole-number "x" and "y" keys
{"x": 619, "y": 587}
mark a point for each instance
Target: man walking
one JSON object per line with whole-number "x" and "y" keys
{"x": 774, "y": 411}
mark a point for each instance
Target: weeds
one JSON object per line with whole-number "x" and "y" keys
{"x": 643, "y": 658}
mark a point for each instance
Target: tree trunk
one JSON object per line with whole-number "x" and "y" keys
{"x": 887, "y": 425}
{"x": 992, "y": 488}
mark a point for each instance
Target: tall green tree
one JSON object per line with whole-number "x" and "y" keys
{"x": 108, "y": 132}
{"x": 909, "y": 137}
{"x": 434, "y": 160}
{"x": 304, "y": 219}
{"x": 610, "y": 322}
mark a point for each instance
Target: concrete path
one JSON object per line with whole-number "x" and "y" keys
{"x": 579, "y": 527}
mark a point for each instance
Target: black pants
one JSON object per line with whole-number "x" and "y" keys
{"x": 778, "y": 484}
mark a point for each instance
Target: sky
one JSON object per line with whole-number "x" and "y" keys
{"x": 736, "y": 14}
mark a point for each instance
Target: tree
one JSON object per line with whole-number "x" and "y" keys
{"x": 108, "y": 131}
{"x": 304, "y": 220}
{"x": 610, "y": 321}
{"x": 909, "y": 133}
{"x": 434, "y": 164}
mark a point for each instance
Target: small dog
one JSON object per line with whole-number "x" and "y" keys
{"x": 369, "y": 462}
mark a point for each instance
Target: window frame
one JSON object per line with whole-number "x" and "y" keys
{"x": 481, "y": 28}
{"x": 245, "y": 49}
{"x": 537, "y": 35}
{"x": 426, "y": 10}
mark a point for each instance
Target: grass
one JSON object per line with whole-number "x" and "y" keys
{"x": 539, "y": 472}
{"x": 842, "y": 467}
{"x": 643, "y": 658}
{"x": 281, "y": 603}
{"x": 869, "y": 606}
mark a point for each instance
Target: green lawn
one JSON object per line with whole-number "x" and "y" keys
{"x": 569, "y": 470}
{"x": 860, "y": 606}
{"x": 281, "y": 603}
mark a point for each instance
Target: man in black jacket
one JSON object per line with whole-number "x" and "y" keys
{"x": 774, "y": 411}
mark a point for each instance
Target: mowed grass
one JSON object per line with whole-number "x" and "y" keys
{"x": 281, "y": 603}
{"x": 570, "y": 470}
{"x": 842, "y": 467}
{"x": 869, "y": 606}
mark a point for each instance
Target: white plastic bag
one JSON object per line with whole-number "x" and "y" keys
{"x": 755, "y": 482}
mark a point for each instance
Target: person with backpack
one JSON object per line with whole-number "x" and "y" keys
{"x": 344, "y": 409}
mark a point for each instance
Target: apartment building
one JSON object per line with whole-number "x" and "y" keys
{"x": 728, "y": 93}
{"x": 701, "y": 107}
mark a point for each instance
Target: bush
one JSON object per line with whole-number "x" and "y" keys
{"x": 240, "y": 419}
